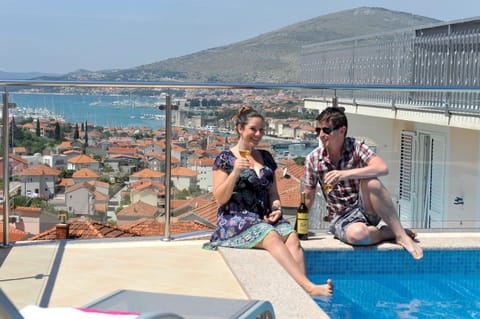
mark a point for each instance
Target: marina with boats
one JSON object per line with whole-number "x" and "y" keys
{"x": 106, "y": 111}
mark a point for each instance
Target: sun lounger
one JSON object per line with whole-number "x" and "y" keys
{"x": 188, "y": 307}
{"x": 7, "y": 308}
{"x": 128, "y": 304}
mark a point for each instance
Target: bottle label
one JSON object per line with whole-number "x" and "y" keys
{"x": 302, "y": 216}
{"x": 302, "y": 226}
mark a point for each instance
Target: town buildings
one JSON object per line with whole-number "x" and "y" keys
{"x": 119, "y": 177}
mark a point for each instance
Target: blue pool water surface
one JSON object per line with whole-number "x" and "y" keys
{"x": 390, "y": 284}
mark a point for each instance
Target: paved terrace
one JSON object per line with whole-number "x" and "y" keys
{"x": 76, "y": 272}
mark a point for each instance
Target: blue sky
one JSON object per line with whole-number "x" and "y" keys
{"x": 60, "y": 36}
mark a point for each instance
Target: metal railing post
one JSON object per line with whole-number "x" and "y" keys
{"x": 168, "y": 160}
{"x": 6, "y": 175}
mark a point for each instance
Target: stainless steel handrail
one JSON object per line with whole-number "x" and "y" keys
{"x": 6, "y": 175}
{"x": 239, "y": 86}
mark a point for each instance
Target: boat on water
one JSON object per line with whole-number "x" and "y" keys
{"x": 36, "y": 113}
{"x": 99, "y": 110}
{"x": 150, "y": 116}
{"x": 212, "y": 128}
{"x": 95, "y": 103}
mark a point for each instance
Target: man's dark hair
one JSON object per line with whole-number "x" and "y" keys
{"x": 334, "y": 115}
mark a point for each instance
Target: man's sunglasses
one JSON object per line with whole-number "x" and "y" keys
{"x": 326, "y": 130}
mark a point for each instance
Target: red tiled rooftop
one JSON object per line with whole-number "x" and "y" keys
{"x": 65, "y": 182}
{"x": 23, "y": 209}
{"x": 183, "y": 171}
{"x": 14, "y": 234}
{"x": 86, "y": 173}
{"x": 208, "y": 211}
{"x": 39, "y": 170}
{"x": 156, "y": 228}
{"x": 138, "y": 209}
{"x": 122, "y": 150}
{"x": 83, "y": 229}
{"x": 147, "y": 173}
{"x": 82, "y": 159}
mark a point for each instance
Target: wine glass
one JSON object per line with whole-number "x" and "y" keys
{"x": 244, "y": 153}
{"x": 327, "y": 188}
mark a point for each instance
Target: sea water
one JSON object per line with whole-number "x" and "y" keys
{"x": 106, "y": 111}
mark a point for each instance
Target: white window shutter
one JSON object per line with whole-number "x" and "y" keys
{"x": 407, "y": 172}
{"x": 437, "y": 183}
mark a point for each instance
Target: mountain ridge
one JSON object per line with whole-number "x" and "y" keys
{"x": 269, "y": 57}
{"x": 23, "y": 75}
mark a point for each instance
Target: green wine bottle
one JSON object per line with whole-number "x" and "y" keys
{"x": 302, "y": 219}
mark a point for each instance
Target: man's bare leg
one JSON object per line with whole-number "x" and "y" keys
{"x": 387, "y": 233}
{"x": 376, "y": 198}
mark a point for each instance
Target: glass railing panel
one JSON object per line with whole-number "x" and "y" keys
{"x": 125, "y": 129}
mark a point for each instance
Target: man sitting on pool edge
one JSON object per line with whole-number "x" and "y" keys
{"x": 358, "y": 200}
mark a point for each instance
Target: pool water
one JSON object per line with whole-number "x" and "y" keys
{"x": 390, "y": 284}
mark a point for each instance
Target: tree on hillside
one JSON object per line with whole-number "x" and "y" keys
{"x": 58, "y": 133}
{"x": 299, "y": 160}
{"x": 37, "y": 130}
{"x": 33, "y": 143}
{"x": 86, "y": 134}
{"x": 191, "y": 191}
{"x": 13, "y": 132}
{"x": 67, "y": 173}
{"x": 203, "y": 143}
{"x": 194, "y": 102}
{"x": 76, "y": 134}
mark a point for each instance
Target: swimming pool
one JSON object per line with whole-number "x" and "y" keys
{"x": 390, "y": 284}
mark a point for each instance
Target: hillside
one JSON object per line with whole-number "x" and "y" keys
{"x": 270, "y": 57}
{"x": 22, "y": 76}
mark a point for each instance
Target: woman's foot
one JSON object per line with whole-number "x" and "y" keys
{"x": 322, "y": 290}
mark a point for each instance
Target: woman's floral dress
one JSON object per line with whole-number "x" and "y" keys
{"x": 240, "y": 220}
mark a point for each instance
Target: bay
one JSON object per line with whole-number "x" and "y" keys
{"x": 99, "y": 110}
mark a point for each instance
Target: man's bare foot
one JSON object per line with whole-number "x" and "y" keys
{"x": 322, "y": 290}
{"x": 410, "y": 246}
{"x": 406, "y": 241}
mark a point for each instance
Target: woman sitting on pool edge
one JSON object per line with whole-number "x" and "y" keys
{"x": 249, "y": 212}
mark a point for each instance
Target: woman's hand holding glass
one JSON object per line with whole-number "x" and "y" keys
{"x": 241, "y": 164}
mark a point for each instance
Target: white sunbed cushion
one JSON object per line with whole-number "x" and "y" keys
{"x": 35, "y": 312}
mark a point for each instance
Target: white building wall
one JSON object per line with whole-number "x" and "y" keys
{"x": 33, "y": 160}
{"x": 204, "y": 177}
{"x": 463, "y": 178}
{"x": 150, "y": 198}
{"x": 57, "y": 161}
{"x": 80, "y": 202}
{"x": 181, "y": 182}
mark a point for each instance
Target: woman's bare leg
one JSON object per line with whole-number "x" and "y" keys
{"x": 274, "y": 244}
{"x": 296, "y": 250}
